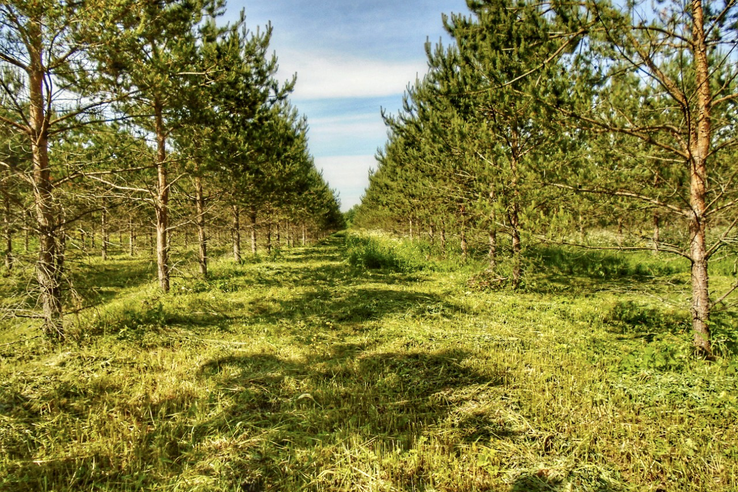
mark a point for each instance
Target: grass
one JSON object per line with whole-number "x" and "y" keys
{"x": 315, "y": 371}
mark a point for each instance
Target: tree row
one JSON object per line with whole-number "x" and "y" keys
{"x": 549, "y": 121}
{"x": 154, "y": 117}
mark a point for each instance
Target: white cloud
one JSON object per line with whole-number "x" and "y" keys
{"x": 334, "y": 75}
{"x": 348, "y": 174}
{"x": 346, "y": 171}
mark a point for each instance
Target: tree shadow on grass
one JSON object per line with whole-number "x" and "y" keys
{"x": 101, "y": 282}
{"x": 540, "y": 481}
{"x": 322, "y": 404}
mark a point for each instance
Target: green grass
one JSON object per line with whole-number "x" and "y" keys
{"x": 315, "y": 371}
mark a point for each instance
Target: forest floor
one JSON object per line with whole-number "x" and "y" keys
{"x": 305, "y": 372}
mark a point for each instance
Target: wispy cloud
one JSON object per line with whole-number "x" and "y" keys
{"x": 330, "y": 76}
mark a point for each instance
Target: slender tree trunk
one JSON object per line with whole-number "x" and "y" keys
{"x": 699, "y": 150}
{"x": 411, "y": 229}
{"x": 253, "y": 232}
{"x": 464, "y": 245}
{"x": 514, "y": 218}
{"x": 431, "y": 235}
{"x": 304, "y": 234}
{"x": 279, "y": 238}
{"x": 656, "y": 232}
{"x": 443, "y": 238}
{"x": 269, "y": 237}
{"x": 104, "y": 230}
{"x": 161, "y": 199}
{"x": 236, "y": 233}
{"x": 492, "y": 231}
{"x": 131, "y": 237}
{"x": 7, "y": 228}
{"x": 620, "y": 232}
{"x": 50, "y": 260}
{"x": 516, "y": 246}
{"x": 26, "y": 238}
{"x": 202, "y": 240}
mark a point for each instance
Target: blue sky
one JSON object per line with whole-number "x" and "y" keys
{"x": 351, "y": 58}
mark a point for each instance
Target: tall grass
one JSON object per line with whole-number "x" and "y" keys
{"x": 314, "y": 371}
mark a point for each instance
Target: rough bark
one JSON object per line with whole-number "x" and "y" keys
{"x": 50, "y": 261}
{"x": 699, "y": 150}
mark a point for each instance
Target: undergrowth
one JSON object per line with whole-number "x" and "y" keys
{"x": 370, "y": 364}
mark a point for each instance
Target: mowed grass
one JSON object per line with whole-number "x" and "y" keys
{"x": 304, "y": 372}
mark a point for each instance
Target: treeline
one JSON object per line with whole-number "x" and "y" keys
{"x": 550, "y": 122}
{"x": 149, "y": 118}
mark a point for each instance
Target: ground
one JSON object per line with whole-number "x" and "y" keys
{"x": 306, "y": 371}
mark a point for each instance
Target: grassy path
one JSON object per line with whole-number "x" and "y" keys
{"x": 303, "y": 373}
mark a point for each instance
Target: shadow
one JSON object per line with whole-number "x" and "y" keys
{"x": 536, "y": 482}
{"x": 549, "y": 481}
{"x": 571, "y": 269}
{"x": 98, "y": 282}
{"x": 347, "y": 395}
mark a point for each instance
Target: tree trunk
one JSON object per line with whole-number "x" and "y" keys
{"x": 514, "y": 218}
{"x": 269, "y": 237}
{"x": 492, "y": 231}
{"x": 162, "y": 199}
{"x": 516, "y": 246}
{"x": 443, "y": 239}
{"x": 202, "y": 240}
{"x": 464, "y": 245}
{"x": 620, "y": 232}
{"x": 50, "y": 257}
{"x": 279, "y": 238}
{"x": 656, "y": 232}
{"x": 253, "y": 232}
{"x": 104, "y": 230}
{"x": 131, "y": 237}
{"x": 236, "y": 233}
{"x": 304, "y": 234}
{"x": 7, "y": 228}
{"x": 411, "y": 229}
{"x": 699, "y": 150}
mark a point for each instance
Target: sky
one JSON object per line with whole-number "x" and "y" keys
{"x": 351, "y": 58}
